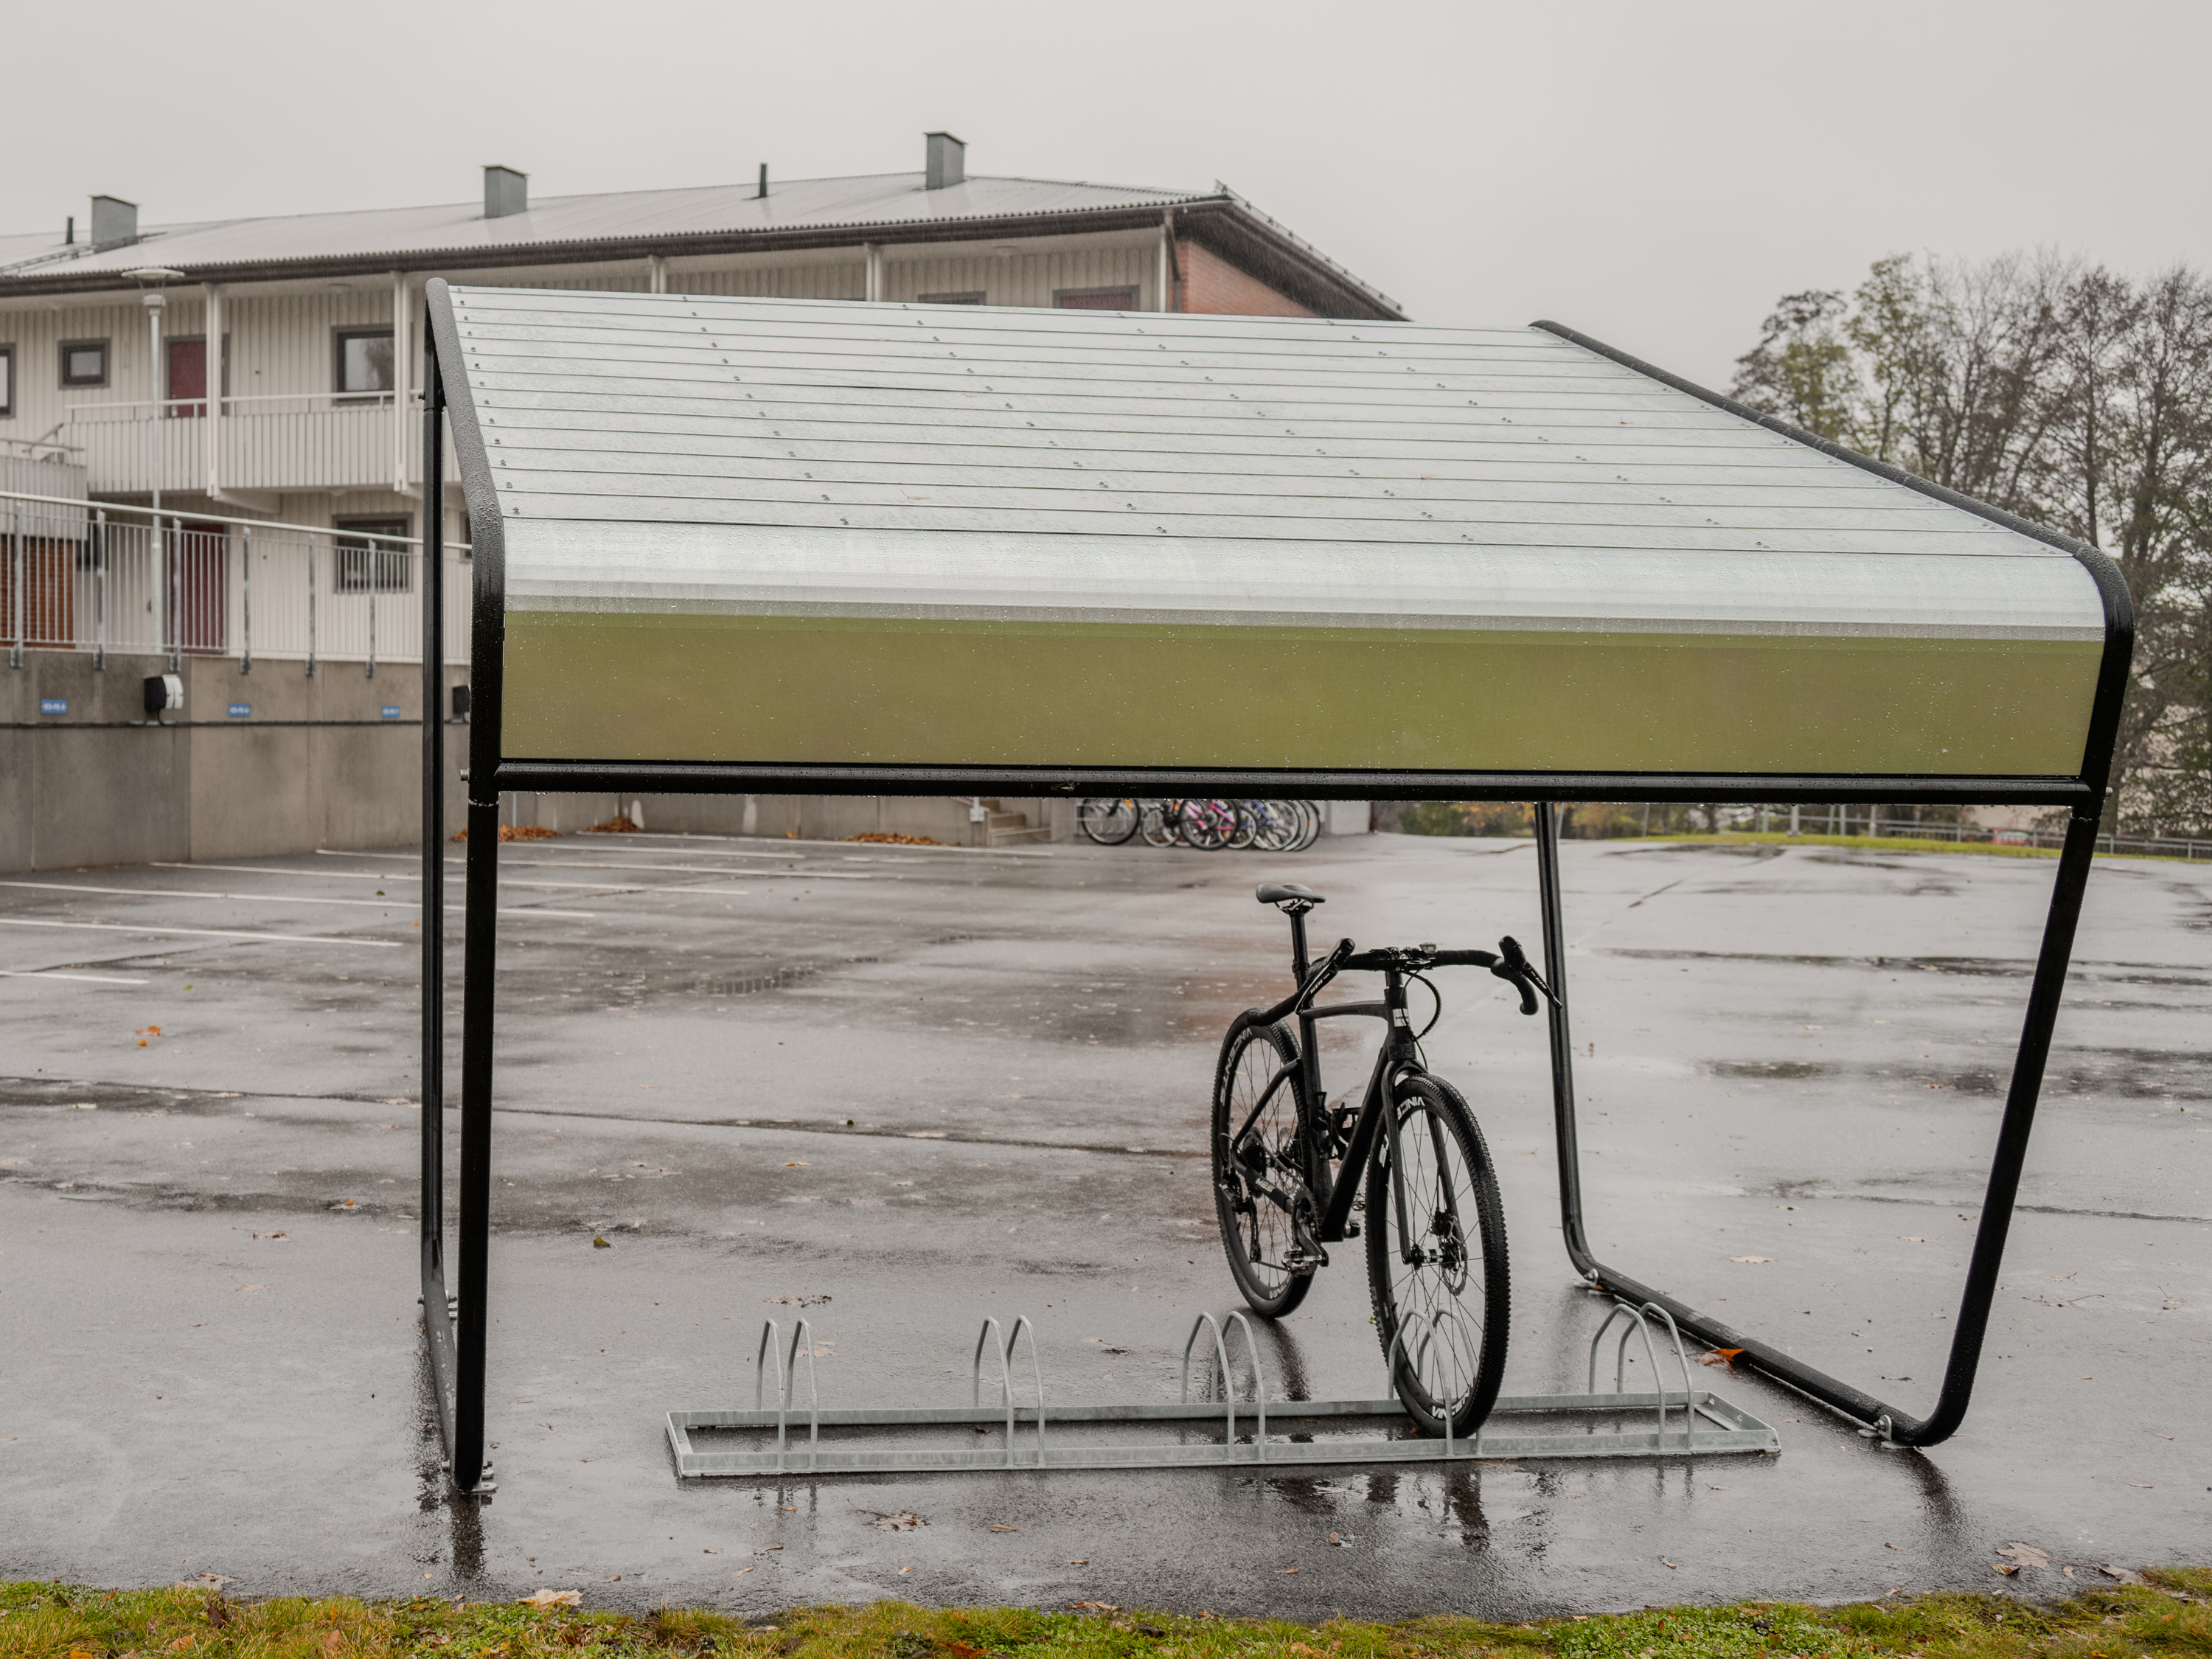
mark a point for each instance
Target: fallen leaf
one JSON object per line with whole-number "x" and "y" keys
{"x": 2125, "y": 1575}
{"x": 333, "y": 1643}
{"x": 1751, "y": 1258}
{"x": 1000, "y": 1529}
{"x": 598, "y": 1244}
{"x": 1664, "y": 1562}
{"x": 2026, "y": 1555}
{"x": 243, "y": 1289}
{"x": 2006, "y": 1568}
{"x": 742, "y": 1570}
{"x": 1084, "y": 1562}
{"x": 900, "y": 1523}
{"x": 1721, "y": 1357}
{"x": 553, "y": 1598}
{"x": 800, "y": 1301}
{"x": 796, "y": 1164}
{"x": 1280, "y": 1571}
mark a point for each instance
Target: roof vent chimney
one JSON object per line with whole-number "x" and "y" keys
{"x": 506, "y": 191}
{"x": 113, "y": 220}
{"x": 947, "y": 163}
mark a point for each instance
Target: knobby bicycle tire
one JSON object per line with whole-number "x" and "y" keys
{"x": 1454, "y": 1306}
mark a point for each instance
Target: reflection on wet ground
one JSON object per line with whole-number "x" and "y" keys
{"x": 901, "y": 1093}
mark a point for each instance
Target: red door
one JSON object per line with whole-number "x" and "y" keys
{"x": 188, "y": 379}
{"x": 199, "y": 585}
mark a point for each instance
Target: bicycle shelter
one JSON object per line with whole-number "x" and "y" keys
{"x": 727, "y": 544}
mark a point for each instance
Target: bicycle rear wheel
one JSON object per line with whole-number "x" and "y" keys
{"x": 1156, "y": 820}
{"x": 1109, "y": 822}
{"x": 1436, "y": 1259}
{"x": 1268, "y": 1151}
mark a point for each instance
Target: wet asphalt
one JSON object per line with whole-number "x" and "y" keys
{"x": 897, "y": 1091}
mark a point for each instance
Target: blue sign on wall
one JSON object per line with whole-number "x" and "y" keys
{"x": 392, "y": 711}
{"x": 53, "y": 705}
{"x": 240, "y": 711}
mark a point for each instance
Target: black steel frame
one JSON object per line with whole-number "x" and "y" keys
{"x": 456, "y": 1345}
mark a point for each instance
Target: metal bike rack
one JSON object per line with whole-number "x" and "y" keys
{"x": 1680, "y": 599}
{"x": 1304, "y": 1433}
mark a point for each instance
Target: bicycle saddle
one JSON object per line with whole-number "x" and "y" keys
{"x": 1295, "y": 900}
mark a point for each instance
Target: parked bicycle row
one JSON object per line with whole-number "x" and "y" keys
{"x": 1211, "y": 826}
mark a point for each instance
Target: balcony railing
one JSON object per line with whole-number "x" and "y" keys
{"x": 275, "y": 441}
{"x": 84, "y": 576}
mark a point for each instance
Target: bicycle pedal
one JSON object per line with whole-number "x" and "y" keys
{"x": 1300, "y": 1261}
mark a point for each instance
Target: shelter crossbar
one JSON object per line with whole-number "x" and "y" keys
{"x": 726, "y": 545}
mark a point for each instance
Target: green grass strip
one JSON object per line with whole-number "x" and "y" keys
{"x": 2168, "y": 1615}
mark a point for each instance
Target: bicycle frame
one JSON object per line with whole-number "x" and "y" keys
{"x": 1398, "y": 1056}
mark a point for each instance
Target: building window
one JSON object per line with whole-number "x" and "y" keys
{"x": 84, "y": 363}
{"x": 1095, "y": 298}
{"x": 975, "y": 298}
{"x": 7, "y": 381}
{"x": 364, "y": 363}
{"x": 368, "y": 567}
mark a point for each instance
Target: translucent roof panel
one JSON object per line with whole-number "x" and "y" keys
{"x": 792, "y": 532}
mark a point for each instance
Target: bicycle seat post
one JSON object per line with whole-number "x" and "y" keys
{"x": 1297, "y": 944}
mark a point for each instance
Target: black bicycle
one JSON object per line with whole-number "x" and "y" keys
{"x": 1290, "y": 1173}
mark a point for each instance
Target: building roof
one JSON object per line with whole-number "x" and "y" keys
{"x": 715, "y": 218}
{"x": 1395, "y": 544}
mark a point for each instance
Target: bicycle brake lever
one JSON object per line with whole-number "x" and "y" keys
{"x": 1515, "y": 968}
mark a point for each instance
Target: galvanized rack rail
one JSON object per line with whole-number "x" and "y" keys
{"x": 1707, "y": 1424}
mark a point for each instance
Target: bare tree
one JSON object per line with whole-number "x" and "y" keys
{"x": 2069, "y": 394}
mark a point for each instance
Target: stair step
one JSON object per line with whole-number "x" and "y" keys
{"x": 1022, "y": 832}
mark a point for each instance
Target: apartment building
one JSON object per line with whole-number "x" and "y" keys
{"x": 265, "y": 367}
{"x": 211, "y": 451}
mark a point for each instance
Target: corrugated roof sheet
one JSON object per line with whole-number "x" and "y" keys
{"x": 801, "y": 463}
{"x": 891, "y": 198}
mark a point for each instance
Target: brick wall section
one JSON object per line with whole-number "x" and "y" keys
{"x": 49, "y": 591}
{"x": 1211, "y": 284}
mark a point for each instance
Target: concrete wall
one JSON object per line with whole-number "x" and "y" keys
{"x": 316, "y": 763}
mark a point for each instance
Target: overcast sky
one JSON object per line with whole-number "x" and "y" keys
{"x": 1655, "y": 174}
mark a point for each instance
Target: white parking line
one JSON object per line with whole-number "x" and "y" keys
{"x": 706, "y": 870}
{"x": 202, "y": 893}
{"x": 208, "y": 932}
{"x": 54, "y": 973}
{"x": 403, "y": 875}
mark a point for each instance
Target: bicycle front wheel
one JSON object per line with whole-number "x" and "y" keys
{"x": 1109, "y": 822}
{"x": 1259, "y": 1165}
{"x": 1436, "y": 1259}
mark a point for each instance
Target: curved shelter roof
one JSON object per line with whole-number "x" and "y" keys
{"x": 761, "y": 538}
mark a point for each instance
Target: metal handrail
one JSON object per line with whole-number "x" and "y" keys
{"x": 217, "y": 517}
{"x": 340, "y": 399}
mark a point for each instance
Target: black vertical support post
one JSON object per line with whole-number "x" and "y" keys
{"x": 2075, "y": 861}
{"x": 480, "y": 909}
{"x": 436, "y": 1325}
{"x": 1563, "y": 1041}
